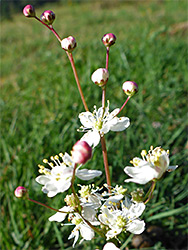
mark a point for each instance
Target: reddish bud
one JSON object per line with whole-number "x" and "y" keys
{"x": 100, "y": 77}
{"x": 20, "y": 192}
{"x": 47, "y": 17}
{"x": 29, "y": 11}
{"x": 108, "y": 39}
{"x": 69, "y": 43}
{"x": 130, "y": 88}
{"x": 81, "y": 152}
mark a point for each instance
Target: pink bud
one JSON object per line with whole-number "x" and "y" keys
{"x": 29, "y": 11}
{"x": 47, "y": 17}
{"x": 100, "y": 77}
{"x": 81, "y": 152}
{"x": 108, "y": 39}
{"x": 20, "y": 192}
{"x": 69, "y": 43}
{"x": 130, "y": 88}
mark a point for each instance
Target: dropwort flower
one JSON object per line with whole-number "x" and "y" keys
{"x": 101, "y": 122}
{"x": 58, "y": 179}
{"x": 152, "y": 166}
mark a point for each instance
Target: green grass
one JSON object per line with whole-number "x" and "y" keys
{"x": 39, "y": 116}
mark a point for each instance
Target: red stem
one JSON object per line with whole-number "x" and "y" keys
{"x": 77, "y": 79}
{"x": 50, "y": 28}
{"x": 44, "y": 205}
{"x": 105, "y": 159}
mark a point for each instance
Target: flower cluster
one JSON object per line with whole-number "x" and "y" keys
{"x": 105, "y": 211}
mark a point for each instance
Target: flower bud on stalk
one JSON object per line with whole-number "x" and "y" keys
{"x": 81, "y": 152}
{"x": 108, "y": 39}
{"x": 20, "y": 192}
{"x": 69, "y": 43}
{"x": 29, "y": 11}
{"x": 130, "y": 88}
{"x": 47, "y": 17}
{"x": 100, "y": 77}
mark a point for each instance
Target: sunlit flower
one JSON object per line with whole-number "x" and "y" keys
{"x": 58, "y": 178}
{"x": 110, "y": 246}
{"x": 121, "y": 217}
{"x": 80, "y": 222}
{"x": 100, "y": 122}
{"x": 152, "y": 166}
{"x": 90, "y": 196}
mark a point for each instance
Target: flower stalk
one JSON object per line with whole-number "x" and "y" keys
{"x": 105, "y": 159}
{"x": 150, "y": 192}
{"x": 50, "y": 28}
{"x": 44, "y": 205}
{"x": 77, "y": 79}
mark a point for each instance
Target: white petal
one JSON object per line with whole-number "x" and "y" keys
{"x": 136, "y": 226}
{"x": 92, "y": 138}
{"x": 136, "y": 209}
{"x": 75, "y": 235}
{"x": 88, "y": 213}
{"x": 110, "y": 246}
{"x": 87, "y": 119}
{"x": 86, "y": 232}
{"x": 113, "y": 199}
{"x": 113, "y": 232}
{"x": 141, "y": 175}
{"x": 122, "y": 124}
{"x": 43, "y": 179}
{"x": 172, "y": 168}
{"x": 85, "y": 174}
{"x": 59, "y": 217}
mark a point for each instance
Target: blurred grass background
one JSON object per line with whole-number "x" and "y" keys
{"x": 40, "y": 106}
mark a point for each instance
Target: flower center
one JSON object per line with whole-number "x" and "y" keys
{"x": 98, "y": 124}
{"x": 121, "y": 221}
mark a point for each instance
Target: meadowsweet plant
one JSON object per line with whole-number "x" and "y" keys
{"x": 106, "y": 211}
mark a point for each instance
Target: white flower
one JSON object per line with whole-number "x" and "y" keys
{"x": 58, "y": 178}
{"x": 81, "y": 226}
{"x": 152, "y": 166}
{"x": 101, "y": 122}
{"x": 110, "y": 246}
{"x": 89, "y": 196}
{"x": 122, "y": 220}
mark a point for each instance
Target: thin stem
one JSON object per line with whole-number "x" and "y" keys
{"x": 50, "y": 28}
{"x": 150, "y": 192}
{"x": 77, "y": 79}
{"x": 44, "y": 205}
{"x": 105, "y": 159}
{"x": 107, "y": 56}
{"x": 128, "y": 98}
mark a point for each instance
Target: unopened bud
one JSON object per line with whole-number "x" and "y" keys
{"x": 81, "y": 152}
{"x": 20, "y": 192}
{"x": 108, "y": 39}
{"x": 69, "y": 43}
{"x": 29, "y": 11}
{"x": 47, "y": 17}
{"x": 138, "y": 195}
{"x": 100, "y": 77}
{"x": 130, "y": 88}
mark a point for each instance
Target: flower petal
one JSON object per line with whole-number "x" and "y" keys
{"x": 141, "y": 175}
{"x": 92, "y": 138}
{"x": 172, "y": 168}
{"x": 136, "y": 226}
{"x": 85, "y": 174}
{"x": 86, "y": 232}
{"x": 122, "y": 124}
{"x": 87, "y": 119}
{"x": 59, "y": 217}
